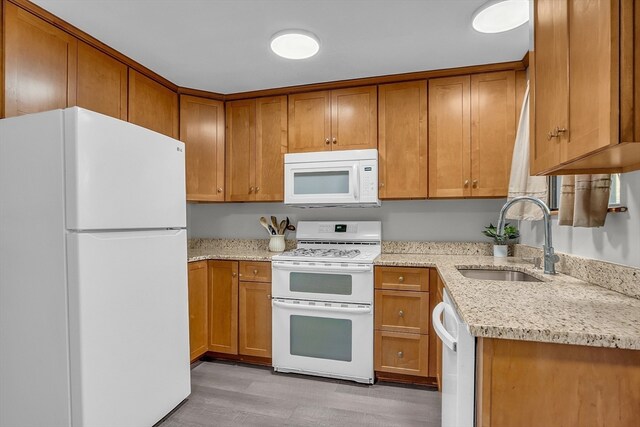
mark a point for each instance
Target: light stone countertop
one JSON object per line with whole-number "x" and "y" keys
{"x": 560, "y": 309}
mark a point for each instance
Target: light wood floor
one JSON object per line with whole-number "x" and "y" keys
{"x": 227, "y": 394}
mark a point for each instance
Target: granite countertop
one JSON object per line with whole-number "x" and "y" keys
{"x": 560, "y": 309}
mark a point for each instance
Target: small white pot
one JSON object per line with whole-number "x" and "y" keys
{"x": 500, "y": 250}
{"x": 276, "y": 244}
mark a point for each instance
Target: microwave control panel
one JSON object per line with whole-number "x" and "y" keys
{"x": 368, "y": 181}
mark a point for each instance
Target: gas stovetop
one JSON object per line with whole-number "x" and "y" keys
{"x": 323, "y": 253}
{"x": 335, "y": 242}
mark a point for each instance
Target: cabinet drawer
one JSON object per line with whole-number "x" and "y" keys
{"x": 402, "y": 311}
{"x": 255, "y": 271}
{"x": 402, "y": 353}
{"x": 402, "y": 278}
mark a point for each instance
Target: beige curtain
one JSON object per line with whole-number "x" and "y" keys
{"x": 521, "y": 183}
{"x": 584, "y": 200}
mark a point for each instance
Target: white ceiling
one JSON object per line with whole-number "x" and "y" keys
{"x": 223, "y": 45}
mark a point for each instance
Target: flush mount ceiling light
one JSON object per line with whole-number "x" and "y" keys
{"x": 496, "y": 16}
{"x": 295, "y": 44}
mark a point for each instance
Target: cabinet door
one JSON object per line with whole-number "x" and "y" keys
{"x": 449, "y": 137}
{"x": 593, "y": 77}
{"x": 309, "y": 122}
{"x": 550, "y": 86}
{"x": 40, "y": 64}
{"x": 270, "y": 147}
{"x": 354, "y": 118}
{"x": 240, "y": 152}
{"x": 255, "y": 319}
{"x": 223, "y": 306}
{"x": 493, "y": 132}
{"x": 151, "y": 105}
{"x": 202, "y": 131}
{"x": 402, "y": 144}
{"x": 198, "y": 317}
{"x": 102, "y": 82}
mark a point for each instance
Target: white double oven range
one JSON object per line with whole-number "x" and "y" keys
{"x": 323, "y": 301}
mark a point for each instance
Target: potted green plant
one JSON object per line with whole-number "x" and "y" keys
{"x": 500, "y": 242}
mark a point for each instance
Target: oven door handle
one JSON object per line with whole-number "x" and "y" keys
{"x": 438, "y": 327}
{"x": 319, "y": 268}
{"x": 359, "y": 310}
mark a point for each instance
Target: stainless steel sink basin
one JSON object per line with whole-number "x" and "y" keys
{"x": 506, "y": 275}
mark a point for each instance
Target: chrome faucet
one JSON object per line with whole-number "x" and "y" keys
{"x": 550, "y": 258}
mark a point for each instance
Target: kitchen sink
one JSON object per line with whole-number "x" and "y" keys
{"x": 506, "y": 275}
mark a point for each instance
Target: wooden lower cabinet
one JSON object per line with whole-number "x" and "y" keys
{"x": 230, "y": 318}
{"x": 198, "y": 313}
{"x": 522, "y": 383}
{"x": 255, "y": 319}
{"x": 223, "y": 307}
{"x": 403, "y": 331}
{"x": 401, "y": 353}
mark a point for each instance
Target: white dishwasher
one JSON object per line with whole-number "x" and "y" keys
{"x": 458, "y": 365}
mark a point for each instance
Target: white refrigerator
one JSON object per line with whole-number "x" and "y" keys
{"x": 93, "y": 272}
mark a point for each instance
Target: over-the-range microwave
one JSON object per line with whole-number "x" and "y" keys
{"x": 346, "y": 178}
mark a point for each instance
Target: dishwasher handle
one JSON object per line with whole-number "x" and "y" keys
{"x": 445, "y": 336}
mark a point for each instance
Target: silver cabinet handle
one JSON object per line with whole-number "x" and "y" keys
{"x": 400, "y": 354}
{"x": 401, "y": 313}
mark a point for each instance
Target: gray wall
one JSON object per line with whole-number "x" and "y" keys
{"x": 430, "y": 220}
{"x": 618, "y": 241}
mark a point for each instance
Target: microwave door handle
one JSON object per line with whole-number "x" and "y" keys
{"x": 356, "y": 183}
{"x": 445, "y": 336}
{"x": 359, "y": 310}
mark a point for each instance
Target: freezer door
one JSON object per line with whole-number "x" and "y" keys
{"x": 128, "y": 326}
{"x": 121, "y": 176}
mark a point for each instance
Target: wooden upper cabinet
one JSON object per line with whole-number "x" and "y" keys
{"x": 493, "y": 132}
{"x": 354, "y": 118}
{"x": 310, "y": 122}
{"x": 450, "y": 137}
{"x": 223, "y": 306}
{"x": 585, "y": 94}
{"x": 198, "y": 313}
{"x": 471, "y": 134}
{"x": 152, "y": 105}
{"x": 342, "y": 119}
{"x": 102, "y": 82}
{"x": 40, "y": 64}
{"x": 202, "y": 131}
{"x": 402, "y": 144}
{"x": 270, "y": 148}
{"x": 241, "y": 137}
{"x": 256, "y": 144}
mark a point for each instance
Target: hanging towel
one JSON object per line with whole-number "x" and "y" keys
{"x": 584, "y": 200}
{"x": 520, "y": 182}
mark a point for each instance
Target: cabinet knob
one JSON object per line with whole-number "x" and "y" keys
{"x": 381, "y": 184}
{"x": 250, "y": 189}
{"x": 401, "y": 279}
{"x": 234, "y": 274}
{"x": 401, "y": 313}
{"x": 255, "y": 272}
{"x": 475, "y": 183}
{"x": 257, "y": 189}
{"x": 400, "y": 354}
{"x": 268, "y": 296}
{"x": 327, "y": 141}
{"x": 466, "y": 183}
{"x": 219, "y": 190}
{"x": 335, "y": 141}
